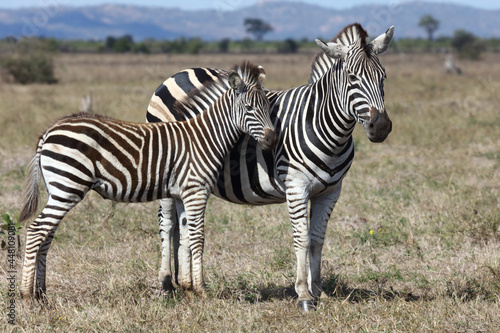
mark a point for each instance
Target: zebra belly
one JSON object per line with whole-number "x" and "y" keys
{"x": 266, "y": 195}
{"x": 147, "y": 191}
{"x": 259, "y": 190}
{"x": 249, "y": 176}
{"x": 252, "y": 176}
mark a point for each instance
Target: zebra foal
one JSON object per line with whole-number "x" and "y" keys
{"x": 132, "y": 162}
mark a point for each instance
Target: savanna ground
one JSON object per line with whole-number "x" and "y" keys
{"x": 413, "y": 244}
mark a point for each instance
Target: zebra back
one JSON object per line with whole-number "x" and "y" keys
{"x": 203, "y": 93}
{"x": 192, "y": 90}
{"x": 172, "y": 100}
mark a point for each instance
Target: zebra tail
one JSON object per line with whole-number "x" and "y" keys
{"x": 32, "y": 188}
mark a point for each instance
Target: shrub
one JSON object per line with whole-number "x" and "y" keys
{"x": 34, "y": 68}
{"x": 141, "y": 48}
{"x": 224, "y": 45}
{"x": 123, "y": 44}
{"x": 467, "y": 45}
{"x": 194, "y": 46}
{"x": 288, "y": 46}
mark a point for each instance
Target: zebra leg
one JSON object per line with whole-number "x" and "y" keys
{"x": 297, "y": 199}
{"x": 34, "y": 238}
{"x": 175, "y": 245}
{"x": 182, "y": 251}
{"x": 41, "y": 265}
{"x": 195, "y": 205}
{"x": 167, "y": 216}
{"x": 39, "y": 235}
{"x": 321, "y": 210}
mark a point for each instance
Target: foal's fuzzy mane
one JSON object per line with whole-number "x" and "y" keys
{"x": 249, "y": 72}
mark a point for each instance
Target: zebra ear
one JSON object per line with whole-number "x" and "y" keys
{"x": 262, "y": 75}
{"x": 381, "y": 44}
{"x": 334, "y": 50}
{"x": 235, "y": 81}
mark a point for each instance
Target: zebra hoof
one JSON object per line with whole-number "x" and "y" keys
{"x": 167, "y": 284}
{"x": 307, "y": 306}
{"x": 41, "y": 297}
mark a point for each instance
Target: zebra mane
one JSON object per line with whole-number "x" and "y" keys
{"x": 76, "y": 115}
{"x": 80, "y": 114}
{"x": 350, "y": 34}
{"x": 199, "y": 99}
{"x": 249, "y": 72}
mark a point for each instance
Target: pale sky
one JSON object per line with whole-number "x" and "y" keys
{"x": 229, "y": 4}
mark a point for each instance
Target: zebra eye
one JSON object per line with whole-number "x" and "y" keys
{"x": 249, "y": 108}
{"x": 352, "y": 77}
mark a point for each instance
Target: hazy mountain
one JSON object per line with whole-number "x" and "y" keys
{"x": 289, "y": 19}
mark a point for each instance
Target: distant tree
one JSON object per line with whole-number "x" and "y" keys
{"x": 467, "y": 45}
{"x": 257, "y": 27}
{"x": 461, "y": 39}
{"x": 11, "y": 39}
{"x": 110, "y": 42}
{"x": 178, "y": 45}
{"x": 165, "y": 46}
{"x": 141, "y": 48}
{"x": 123, "y": 44}
{"x": 224, "y": 45}
{"x": 51, "y": 45}
{"x": 289, "y": 45}
{"x": 194, "y": 46}
{"x": 246, "y": 44}
{"x": 430, "y": 24}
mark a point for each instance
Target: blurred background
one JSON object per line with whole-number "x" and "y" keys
{"x": 237, "y": 26}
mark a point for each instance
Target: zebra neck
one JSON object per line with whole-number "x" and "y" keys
{"x": 215, "y": 130}
{"x": 328, "y": 119}
{"x": 321, "y": 64}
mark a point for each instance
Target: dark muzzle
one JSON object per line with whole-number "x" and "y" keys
{"x": 270, "y": 139}
{"x": 379, "y": 126}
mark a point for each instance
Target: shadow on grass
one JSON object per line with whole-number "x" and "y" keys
{"x": 333, "y": 286}
{"x": 338, "y": 289}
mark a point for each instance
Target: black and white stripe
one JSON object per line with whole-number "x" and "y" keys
{"x": 132, "y": 162}
{"x": 315, "y": 148}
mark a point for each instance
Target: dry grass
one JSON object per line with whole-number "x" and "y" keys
{"x": 413, "y": 244}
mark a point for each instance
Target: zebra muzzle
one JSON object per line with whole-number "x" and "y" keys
{"x": 270, "y": 139}
{"x": 379, "y": 126}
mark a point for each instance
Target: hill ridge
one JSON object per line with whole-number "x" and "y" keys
{"x": 289, "y": 19}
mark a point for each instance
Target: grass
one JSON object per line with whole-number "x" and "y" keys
{"x": 413, "y": 244}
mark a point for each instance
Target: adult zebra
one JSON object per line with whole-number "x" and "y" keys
{"x": 130, "y": 162}
{"x": 315, "y": 149}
